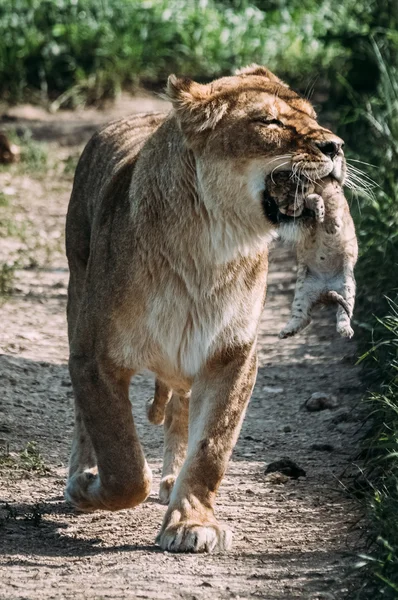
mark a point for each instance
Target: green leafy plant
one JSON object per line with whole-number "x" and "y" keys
{"x": 83, "y": 51}
{"x": 377, "y": 314}
{"x": 28, "y": 461}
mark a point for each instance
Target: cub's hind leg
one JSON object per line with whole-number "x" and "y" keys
{"x": 175, "y": 443}
{"x": 343, "y": 320}
{"x": 302, "y": 304}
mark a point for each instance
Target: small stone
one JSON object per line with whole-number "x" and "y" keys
{"x": 4, "y": 447}
{"x": 321, "y": 401}
{"x": 286, "y": 467}
{"x": 322, "y": 447}
{"x": 287, "y": 429}
{"x": 342, "y": 417}
{"x": 272, "y": 389}
{"x": 277, "y": 478}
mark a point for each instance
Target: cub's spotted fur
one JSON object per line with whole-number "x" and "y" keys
{"x": 327, "y": 251}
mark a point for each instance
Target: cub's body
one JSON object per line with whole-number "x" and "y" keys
{"x": 327, "y": 251}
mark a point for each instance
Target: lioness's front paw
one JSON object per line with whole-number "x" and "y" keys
{"x": 165, "y": 489}
{"x": 191, "y": 537}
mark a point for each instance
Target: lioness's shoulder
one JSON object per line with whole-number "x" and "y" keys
{"x": 111, "y": 147}
{"x": 120, "y": 136}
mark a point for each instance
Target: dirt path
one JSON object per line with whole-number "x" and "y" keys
{"x": 292, "y": 539}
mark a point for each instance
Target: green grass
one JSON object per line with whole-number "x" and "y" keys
{"x": 34, "y": 155}
{"x": 67, "y": 52}
{"x": 70, "y": 52}
{"x": 25, "y": 463}
{"x": 381, "y": 450}
{"x": 70, "y": 164}
{"x": 14, "y": 226}
{"x": 377, "y": 316}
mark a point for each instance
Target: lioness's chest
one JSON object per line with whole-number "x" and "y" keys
{"x": 189, "y": 330}
{"x": 181, "y": 325}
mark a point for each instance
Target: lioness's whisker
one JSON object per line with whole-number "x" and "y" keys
{"x": 279, "y": 158}
{"x": 277, "y": 167}
{"x": 295, "y": 168}
{"x": 362, "y": 182}
{"x": 358, "y": 186}
{"x": 309, "y": 90}
{"x": 295, "y": 203}
{"x": 354, "y": 169}
{"x": 362, "y": 162}
{"x": 363, "y": 177}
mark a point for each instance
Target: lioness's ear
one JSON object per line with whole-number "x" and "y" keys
{"x": 261, "y": 72}
{"x": 197, "y": 109}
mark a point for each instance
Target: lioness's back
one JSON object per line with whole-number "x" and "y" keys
{"x": 111, "y": 148}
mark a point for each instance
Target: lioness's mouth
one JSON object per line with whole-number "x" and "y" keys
{"x": 272, "y": 212}
{"x": 281, "y": 204}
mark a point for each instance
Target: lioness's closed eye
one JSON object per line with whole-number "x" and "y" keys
{"x": 167, "y": 240}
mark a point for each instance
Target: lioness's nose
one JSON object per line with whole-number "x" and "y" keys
{"x": 330, "y": 148}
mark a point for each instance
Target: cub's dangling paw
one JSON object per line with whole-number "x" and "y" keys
{"x": 293, "y": 327}
{"x": 345, "y": 330}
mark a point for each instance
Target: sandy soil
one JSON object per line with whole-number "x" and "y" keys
{"x": 292, "y": 538}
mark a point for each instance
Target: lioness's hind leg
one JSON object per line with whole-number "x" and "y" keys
{"x": 175, "y": 443}
{"x": 301, "y": 307}
{"x": 82, "y": 457}
{"x": 123, "y": 479}
{"x": 157, "y": 405}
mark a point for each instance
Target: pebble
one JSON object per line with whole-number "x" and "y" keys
{"x": 286, "y": 466}
{"x": 321, "y": 401}
{"x": 271, "y": 389}
{"x": 277, "y": 478}
{"x": 322, "y": 447}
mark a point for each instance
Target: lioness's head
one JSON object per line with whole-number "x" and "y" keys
{"x": 257, "y": 123}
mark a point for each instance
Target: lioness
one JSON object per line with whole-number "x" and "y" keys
{"x": 167, "y": 241}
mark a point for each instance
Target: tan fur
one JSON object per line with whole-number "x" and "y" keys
{"x": 167, "y": 242}
{"x": 327, "y": 251}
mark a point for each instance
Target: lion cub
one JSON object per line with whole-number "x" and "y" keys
{"x": 327, "y": 251}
